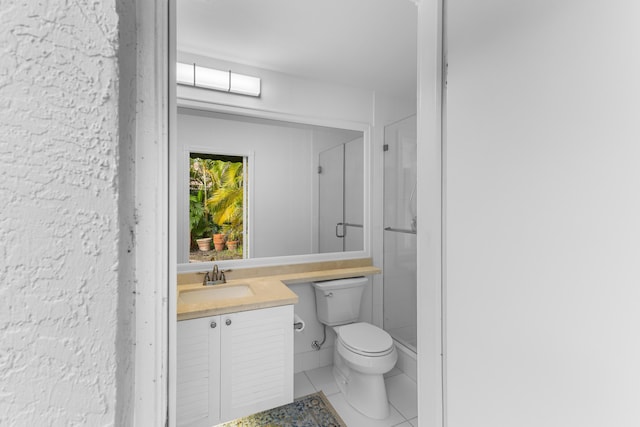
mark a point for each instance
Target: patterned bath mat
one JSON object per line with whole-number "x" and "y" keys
{"x": 313, "y": 410}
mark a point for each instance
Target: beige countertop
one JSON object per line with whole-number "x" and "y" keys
{"x": 267, "y": 290}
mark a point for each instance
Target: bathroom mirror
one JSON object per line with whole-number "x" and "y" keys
{"x": 276, "y": 188}
{"x": 335, "y": 67}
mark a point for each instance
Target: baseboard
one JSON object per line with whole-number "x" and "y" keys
{"x": 407, "y": 361}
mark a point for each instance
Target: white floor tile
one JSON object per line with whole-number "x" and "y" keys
{"x": 301, "y": 385}
{"x": 402, "y": 393}
{"x": 322, "y": 379}
{"x": 353, "y": 418}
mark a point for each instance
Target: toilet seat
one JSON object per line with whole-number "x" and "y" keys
{"x": 365, "y": 339}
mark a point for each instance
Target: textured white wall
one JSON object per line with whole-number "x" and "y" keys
{"x": 59, "y": 217}
{"x": 542, "y": 209}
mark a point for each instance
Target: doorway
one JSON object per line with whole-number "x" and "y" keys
{"x": 155, "y": 296}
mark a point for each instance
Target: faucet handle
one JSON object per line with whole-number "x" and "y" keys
{"x": 206, "y": 279}
{"x": 222, "y": 277}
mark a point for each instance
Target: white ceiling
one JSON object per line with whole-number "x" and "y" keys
{"x": 362, "y": 43}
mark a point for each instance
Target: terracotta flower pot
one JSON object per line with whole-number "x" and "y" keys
{"x": 218, "y": 241}
{"x": 232, "y": 245}
{"x": 204, "y": 244}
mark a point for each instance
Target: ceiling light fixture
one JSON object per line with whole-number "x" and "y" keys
{"x": 210, "y": 78}
{"x": 245, "y": 85}
{"x": 185, "y": 74}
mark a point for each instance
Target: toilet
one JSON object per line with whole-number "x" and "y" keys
{"x": 363, "y": 352}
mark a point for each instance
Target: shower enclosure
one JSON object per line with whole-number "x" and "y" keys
{"x": 400, "y": 227}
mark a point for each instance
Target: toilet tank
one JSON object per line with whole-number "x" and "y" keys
{"x": 338, "y": 301}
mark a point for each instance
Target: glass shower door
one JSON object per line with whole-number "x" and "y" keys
{"x": 400, "y": 227}
{"x": 341, "y": 198}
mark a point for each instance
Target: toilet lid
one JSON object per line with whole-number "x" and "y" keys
{"x": 365, "y": 338}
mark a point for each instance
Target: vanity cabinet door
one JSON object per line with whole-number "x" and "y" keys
{"x": 198, "y": 372}
{"x": 256, "y": 361}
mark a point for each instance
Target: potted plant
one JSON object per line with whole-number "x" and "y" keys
{"x": 233, "y": 231}
{"x": 200, "y": 223}
{"x": 204, "y": 244}
{"x": 219, "y": 238}
{"x": 233, "y": 241}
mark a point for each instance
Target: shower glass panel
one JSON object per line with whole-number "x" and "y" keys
{"x": 341, "y": 197}
{"x": 400, "y": 227}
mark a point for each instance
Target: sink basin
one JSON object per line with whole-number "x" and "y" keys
{"x": 216, "y": 292}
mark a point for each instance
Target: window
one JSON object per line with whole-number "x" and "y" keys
{"x": 217, "y": 207}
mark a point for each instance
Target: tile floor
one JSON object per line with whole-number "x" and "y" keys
{"x": 401, "y": 391}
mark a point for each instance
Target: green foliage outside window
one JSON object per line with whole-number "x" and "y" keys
{"x": 216, "y": 198}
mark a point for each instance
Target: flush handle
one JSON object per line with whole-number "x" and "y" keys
{"x": 328, "y": 294}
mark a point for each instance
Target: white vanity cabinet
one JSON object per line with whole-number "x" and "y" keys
{"x": 233, "y": 365}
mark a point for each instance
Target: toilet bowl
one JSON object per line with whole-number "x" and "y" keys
{"x": 363, "y": 353}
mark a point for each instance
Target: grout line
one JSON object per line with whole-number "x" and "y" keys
{"x": 404, "y": 418}
{"x": 319, "y": 389}
{"x": 401, "y": 414}
{"x": 310, "y": 382}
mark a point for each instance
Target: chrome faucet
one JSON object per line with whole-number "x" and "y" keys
{"x": 216, "y": 277}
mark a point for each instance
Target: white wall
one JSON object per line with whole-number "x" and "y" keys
{"x": 542, "y": 209}
{"x": 65, "y": 336}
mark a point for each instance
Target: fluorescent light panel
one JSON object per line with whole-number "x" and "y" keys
{"x": 209, "y": 78}
{"x": 245, "y": 85}
{"x": 185, "y": 74}
{"x": 212, "y": 79}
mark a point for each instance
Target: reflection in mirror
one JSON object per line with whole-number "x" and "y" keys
{"x": 297, "y": 189}
{"x": 341, "y": 197}
{"x": 216, "y": 206}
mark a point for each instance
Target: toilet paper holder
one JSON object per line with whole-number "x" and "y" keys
{"x": 298, "y": 323}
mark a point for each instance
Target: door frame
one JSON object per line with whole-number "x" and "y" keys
{"x": 155, "y": 209}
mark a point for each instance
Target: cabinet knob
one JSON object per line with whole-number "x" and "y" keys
{"x": 213, "y": 325}
{"x": 228, "y": 322}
